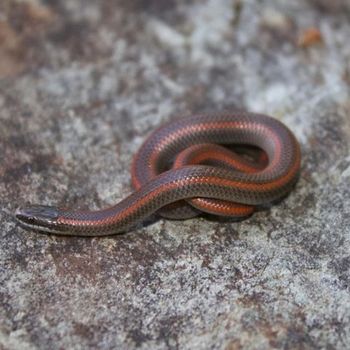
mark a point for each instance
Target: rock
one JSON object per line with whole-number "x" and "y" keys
{"x": 82, "y": 84}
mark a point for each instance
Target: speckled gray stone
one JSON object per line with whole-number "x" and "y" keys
{"x": 82, "y": 84}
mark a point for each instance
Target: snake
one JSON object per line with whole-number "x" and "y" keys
{"x": 225, "y": 164}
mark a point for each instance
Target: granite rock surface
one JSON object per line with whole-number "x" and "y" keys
{"x": 82, "y": 83}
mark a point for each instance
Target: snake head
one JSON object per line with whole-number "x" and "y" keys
{"x": 38, "y": 217}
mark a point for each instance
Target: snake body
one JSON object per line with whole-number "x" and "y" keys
{"x": 185, "y": 167}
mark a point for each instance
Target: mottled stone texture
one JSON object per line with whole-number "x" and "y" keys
{"x": 82, "y": 83}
